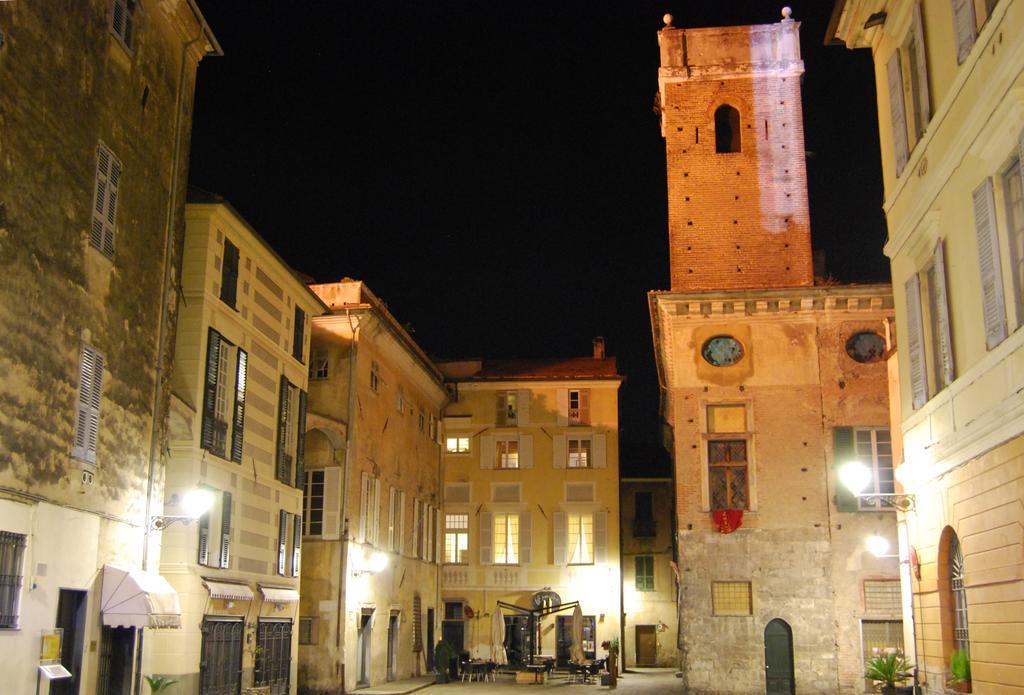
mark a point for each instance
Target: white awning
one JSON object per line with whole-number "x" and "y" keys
{"x": 228, "y": 590}
{"x": 134, "y": 598}
{"x": 274, "y": 594}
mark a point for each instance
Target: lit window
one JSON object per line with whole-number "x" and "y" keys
{"x": 507, "y": 453}
{"x": 456, "y": 537}
{"x": 506, "y": 539}
{"x": 507, "y": 408}
{"x": 457, "y": 445}
{"x": 874, "y": 449}
{"x": 580, "y": 537}
{"x": 730, "y": 598}
{"x": 579, "y": 453}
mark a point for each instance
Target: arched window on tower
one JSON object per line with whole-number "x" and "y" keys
{"x": 727, "y": 129}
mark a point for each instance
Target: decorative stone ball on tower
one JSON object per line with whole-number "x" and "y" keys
{"x": 737, "y": 181}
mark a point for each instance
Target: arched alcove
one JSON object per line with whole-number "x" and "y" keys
{"x": 727, "y": 129}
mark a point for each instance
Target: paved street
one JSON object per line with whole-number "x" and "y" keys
{"x": 648, "y": 680}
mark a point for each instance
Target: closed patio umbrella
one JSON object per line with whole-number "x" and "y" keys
{"x": 498, "y": 637}
{"x": 576, "y": 646}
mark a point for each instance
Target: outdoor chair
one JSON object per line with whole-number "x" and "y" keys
{"x": 574, "y": 672}
{"x": 593, "y": 670}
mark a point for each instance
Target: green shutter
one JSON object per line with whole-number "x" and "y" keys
{"x": 844, "y": 452}
{"x": 213, "y": 348}
{"x": 296, "y": 543}
{"x": 225, "y": 531}
{"x": 238, "y": 426}
{"x": 284, "y": 464}
{"x": 204, "y": 539}
{"x": 282, "y": 540}
{"x": 300, "y": 444}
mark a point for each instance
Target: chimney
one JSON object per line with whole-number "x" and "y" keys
{"x": 598, "y": 348}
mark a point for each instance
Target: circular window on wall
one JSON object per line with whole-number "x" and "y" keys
{"x": 865, "y": 347}
{"x": 722, "y": 351}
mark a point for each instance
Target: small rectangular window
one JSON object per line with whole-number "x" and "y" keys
{"x": 507, "y": 408}
{"x": 579, "y": 453}
{"x": 122, "y": 22}
{"x": 229, "y": 274}
{"x": 400, "y": 400}
{"x": 453, "y": 610}
{"x": 298, "y": 334}
{"x": 457, "y": 445}
{"x": 308, "y": 630}
{"x": 12, "y": 552}
{"x": 374, "y": 376}
{"x": 313, "y": 503}
{"x": 506, "y": 453}
{"x": 318, "y": 364}
{"x": 731, "y": 598}
{"x": 645, "y": 573}
{"x": 882, "y": 597}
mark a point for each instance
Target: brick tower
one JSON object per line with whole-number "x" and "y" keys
{"x": 734, "y": 141}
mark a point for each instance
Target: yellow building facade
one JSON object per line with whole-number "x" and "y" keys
{"x": 369, "y": 605}
{"x": 237, "y": 419}
{"x": 531, "y": 504}
{"x": 949, "y": 79}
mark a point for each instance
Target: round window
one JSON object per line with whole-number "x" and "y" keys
{"x": 722, "y": 351}
{"x": 865, "y": 347}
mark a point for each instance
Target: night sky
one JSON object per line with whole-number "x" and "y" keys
{"x": 495, "y": 172}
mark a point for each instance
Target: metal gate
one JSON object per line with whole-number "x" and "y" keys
{"x": 274, "y": 655}
{"x": 220, "y": 665}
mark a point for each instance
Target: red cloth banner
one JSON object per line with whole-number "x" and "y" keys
{"x": 727, "y": 520}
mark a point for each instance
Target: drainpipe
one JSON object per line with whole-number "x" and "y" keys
{"x": 165, "y": 286}
{"x": 349, "y": 440}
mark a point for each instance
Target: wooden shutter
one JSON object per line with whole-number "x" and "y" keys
{"x": 523, "y": 403}
{"x": 559, "y": 535}
{"x": 208, "y": 436}
{"x": 282, "y": 541}
{"x": 526, "y": 451}
{"x": 600, "y": 451}
{"x": 204, "y": 539}
{"x": 296, "y": 543}
{"x": 438, "y": 535}
{"x": 525, "y": 538}
{"x": 562, "y": 403}
{"x": 600, "y": 537}
{"x": 401, "y": 522}
{"x": 364, "y": 504}
{"x": 584, "y": 406}
{"x": 104, "y": 213}
{"x": 300, "y": 441}
{"x": 225, "y": 530}
{"x": 284, "y": 463}
{"x": 500, "y": 408}
{"x": 993, "y": 305}
{"x": 375, "y": 513}
{"x": 415, "y": 527}
{"x": 392, "y": 496}
{"x": 90, "y": 393}
{"x": 486, "y": 538}
{"x": 921, "y": 67}
{"x": 238, "y": 422}
{"x": 486, "y": 451}
{"x": 915, "y": 343}
{"x": 942, "y": 322}
{"x": 965, "y": 27}
{"x": 844, "y": 452}
{"x": 229, "y": 275}
{"x": 897, "y": 112}
{"x": 558, "y": 456}
{"x": 332, "y": 504}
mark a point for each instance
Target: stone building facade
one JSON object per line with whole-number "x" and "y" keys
{"x": 531, "y": 504}
{"x": 237, "y": 416}
{"x": 95, "y": 126}
{"x": 949, "y": 79}
{"x": 769, "y": 383}
{"x": 370, "y": 602}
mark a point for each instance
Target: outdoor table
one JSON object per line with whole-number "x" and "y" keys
{"x": 475, "y": 669}
{"x": 538, "y": 671}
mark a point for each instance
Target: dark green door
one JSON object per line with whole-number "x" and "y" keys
{"x": 778, "y": 658}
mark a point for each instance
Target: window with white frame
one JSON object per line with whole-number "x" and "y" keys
{"x": 728, "y": 443}
{"x": 319, "y": 366}
{"x": 457, "y": 445}
{"x": 87, "y": 412}
{"x": 578, "y": 449}
{"x": 506, "y": 453}
{"x": 122, "y": 21}
{"x": 506, "y": 539}
{"x": 579, "y": 407}
{"x": 644, "y": 580}
{"x": 873, "y": 447}
{"x": 12, "y": 553}
{"x": 104, "y": 207}
{"x": 313, "y": 503}
{"x": 215, "y": 533}
{"x": 580, "y": 538}
{"x": 507, "y": 408}
{"x": 289, "y": 543}
{"x": 456, "y": 538}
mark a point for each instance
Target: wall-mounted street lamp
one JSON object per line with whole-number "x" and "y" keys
{"x": 856, "y": 477}
{"x": 878, "y": 546}
{"x": 376, "y": 562}
{"x": 194, "y": 503}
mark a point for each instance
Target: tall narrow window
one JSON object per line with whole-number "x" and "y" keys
{"x": 313, "y": 503}
{"x": 456, "y": 537}
{"x": 1013, "y": 191}
{"x": 580, "y": 538}
{"x": 961, "y": 637}
{"x": 104, "y": 207}
{"x": 12, "y": 552}
{"x": 229, "y": 274}
{"x": 506, "y": 539}
{"x": 874, "y": 449}
{"x": 643, "y": 515}
{"x": 727, "y": 129}
{"x": 298, "y": 334}
{"x": 579, "y": 407}
{"x": 122, "y": 22}
{"x": 290, "y": 428}
{"x": 507, "y": 408}
{"x": 579, "y": 453}
{"x": 319, "y": 367}
{"x": 87, "y": 416}
{"x": 506, "y": 453}
{"x": 727, "y": 455}
{"x": 645, "y": 573}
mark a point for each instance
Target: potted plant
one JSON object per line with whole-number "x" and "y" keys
{"x": 887, "y": 670}
{"x": 960, "y": 671}
{"x": 444, "y": 652}
{"x": 158, "y": 684}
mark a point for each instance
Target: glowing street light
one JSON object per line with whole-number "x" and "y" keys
{"x": 856, "y": 477}
{"x": 878, "y": 546}
{"x": 194, "y": 503}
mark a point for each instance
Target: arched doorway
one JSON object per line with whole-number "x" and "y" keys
{"x": 778, "y": 658}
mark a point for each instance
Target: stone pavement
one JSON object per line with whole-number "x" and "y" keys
{"x": 643, "y": 680}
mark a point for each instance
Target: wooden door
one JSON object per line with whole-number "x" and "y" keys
{"x": 778, "y": 658}
{"x": 646, "y": 645}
